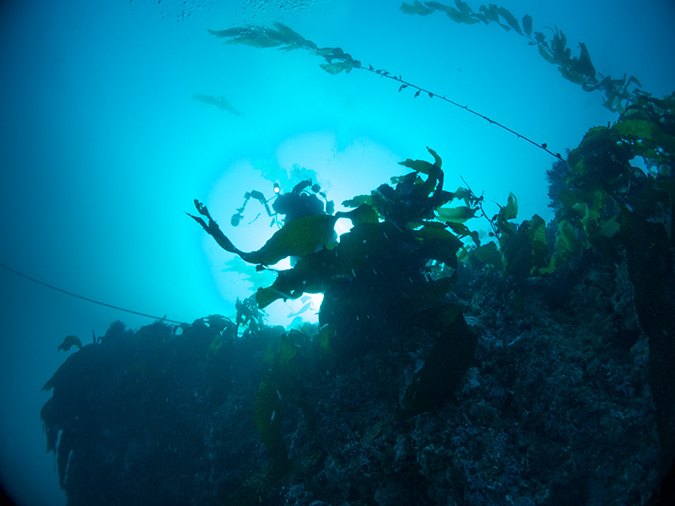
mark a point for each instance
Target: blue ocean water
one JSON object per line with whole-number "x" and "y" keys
{"x": 103, "y": 148}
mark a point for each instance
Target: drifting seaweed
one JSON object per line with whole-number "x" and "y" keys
{"x": 337, "y": 61}
{"x": 578, "y": 69}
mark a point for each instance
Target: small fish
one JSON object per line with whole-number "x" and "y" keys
{"x": 220, "y": 102}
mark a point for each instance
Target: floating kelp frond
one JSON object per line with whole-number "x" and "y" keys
{"x": 297, "y": 238}
{"x": 220, "y": 102}
{"x": 285, "y": 38}
{"x": 337, "y": 60}
{"x": 578, "y": 70}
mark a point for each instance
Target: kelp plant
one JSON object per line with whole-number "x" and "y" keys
{"x": 612, "y": 207}
{"x": 337, "y": 61}
{"x": 618, "y": 94}
{"x": 609, "y": 208}
{"x": 379, "y": 280}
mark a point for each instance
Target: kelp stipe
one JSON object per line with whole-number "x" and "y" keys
{"x": 337, "y": 61}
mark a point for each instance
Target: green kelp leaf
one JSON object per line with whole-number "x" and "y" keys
{"x": 436, "y": 6}
{"x": 595, "y": 138}
{"x": 69, "y": 342}
{"x": 254, "y": 36}
{"x": 463, "y": 15}
{"x": 567, "y": 238}
{"x": 584, "y": 66}
{"x": 463, "y": 7}
{"x": 609, "y": 228}
{"x": 461, "y": 231}
{"x": 543, "y": 51}
{"x": 420, "y": 166}
{"x": 268, "y": 416}
{"x": 510, "y": 19}
{"x": 362, "y": 214}
{"x": 489, "y": 254}
{"x": 572, "y": 76}
{"x": 559, "y": 47}
{"x": 230, "y": 32}
{"x": 633, "y": 79}
{"x": 510, "y": 211}
{"x": 491, "y": 13}
{"x": 647, "y": 133}
{"x": 458, "y": 214}
{"x": 540, "y": 251}
{"x": 446, "y": 364}
{"x": 311, "y": 274}
{"x": 358, "y": 200}
{"x": 456, "y": 16}
{"x": 298, "y": 238}
{"x": 461, "y": 194}
{"x": 337, "y": 67}
{"x": 440, "y": 244}
{"x": 287, "y": 350}
{"x": 415, "y": 8}
{"x": 291, "y": 37}
{"x": 538, "y": 226}
{"x": 569, "y": 198}
{"x": 653, "y": 195}
{"x": 619, "y": 82}
{"x": 437, "y": 159}
{"x": 527, "y": 24}
{"x": 423, "y": 166}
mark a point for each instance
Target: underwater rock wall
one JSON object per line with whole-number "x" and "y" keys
{"x": 534, "y": 369}
{"x": 555, "y": 410}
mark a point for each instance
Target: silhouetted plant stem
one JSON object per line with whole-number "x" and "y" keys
{"x": 406, "y": 84}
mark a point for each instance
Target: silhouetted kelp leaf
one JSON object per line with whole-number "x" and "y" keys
{"x": 420, "y": 166}
{"x": 584, "y": 65}
{"x": 463, "y": 15}
{"x": 634, "y": 79}
{"x": 358, "y": 200}
{"x": 69, "y": 342}
{"x": 297, "y": 238}
{"x": 362, "y": 214}
{"x": 337, "y": 67}
{"x": 289, "y": 36}
{"x": 488, "y": 254}
{"x": 463, "y": 7}
{"x": 439, "y": 244}
{"x": 572, "y": 76}
{"x": 415, "y": 8}
{"x": 540, "y": 38}
{"x": 527, "y": 24}
{"x": 569, "y": 198}
{"x": 445, "y": 366}
{"x": 491, "y": 12}
{"x": 510, "y": 19}
{"x": 455, "y": 214}
{"x": 510, "y": 210}
{"x": 230, "y": 32}
{"x": 543, "y": 51}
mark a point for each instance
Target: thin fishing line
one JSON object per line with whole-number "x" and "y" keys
{"x": 85, "y": 298}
